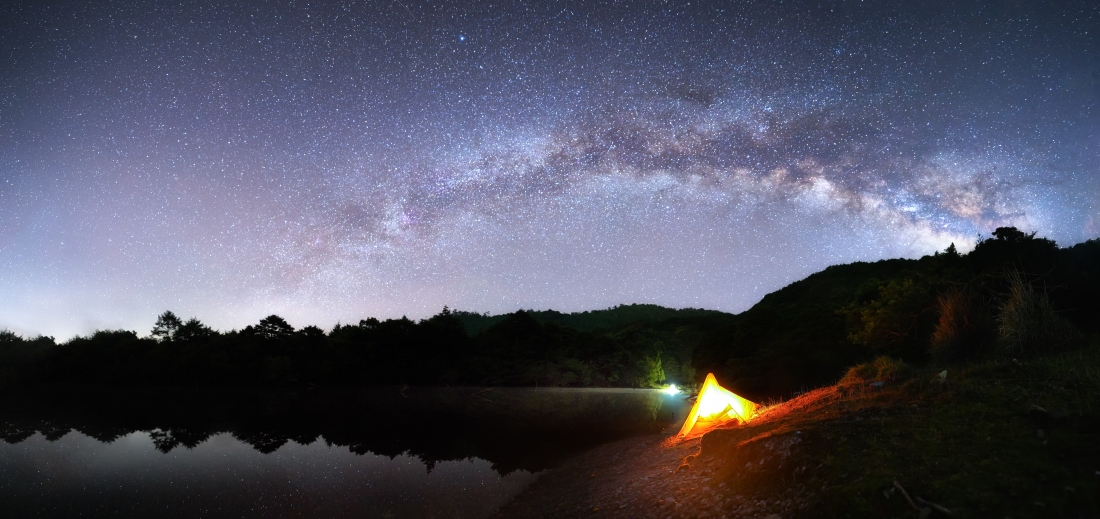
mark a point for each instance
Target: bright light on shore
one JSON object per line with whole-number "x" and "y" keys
{"x": 716, "y": 405}
{"x": 672, "y": 389}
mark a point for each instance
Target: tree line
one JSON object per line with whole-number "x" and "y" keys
{"x": 515, "y": 350}
{"x": 1014, "y": 295}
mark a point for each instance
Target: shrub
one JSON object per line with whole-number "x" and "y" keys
{"x": 649, "y": 372}
{"x": 966, "y": 327}
{"x": 882, "y": 369}
{"x": 1028, "y": 324}
{"x": 894, "y": 318}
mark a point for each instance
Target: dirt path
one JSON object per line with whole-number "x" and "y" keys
{"x": 640, "y": 477}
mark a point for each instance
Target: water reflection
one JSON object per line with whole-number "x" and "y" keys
{"x": 390, "y": 452}
{"x": 222, "y": 477}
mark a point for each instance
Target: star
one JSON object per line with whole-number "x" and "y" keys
{"x": 330, "y": 163}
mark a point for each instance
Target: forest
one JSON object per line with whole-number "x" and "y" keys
{"x": 518, "y": 349}
{"x": 1014, "y": 295}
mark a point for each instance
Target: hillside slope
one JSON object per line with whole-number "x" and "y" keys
{"x": 998, "y": 438}
{"x": 942, "y": 307}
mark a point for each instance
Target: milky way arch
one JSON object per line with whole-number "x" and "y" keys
{"x": 349, "y": 159}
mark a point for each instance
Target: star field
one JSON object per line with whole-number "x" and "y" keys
{"x": 332, "y": 161}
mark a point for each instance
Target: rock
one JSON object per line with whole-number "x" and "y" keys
{"x": 1044, "y": 417}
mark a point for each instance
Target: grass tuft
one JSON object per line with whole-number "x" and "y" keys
{"x": 966, "y": 328}
{"x": 882, "y": 369}
{"x": 1028, "y": 325}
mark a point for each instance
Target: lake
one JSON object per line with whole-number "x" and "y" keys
{"x": 379, "y": 452}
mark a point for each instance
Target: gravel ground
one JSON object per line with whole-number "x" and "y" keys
{"x": 647, "y": 477}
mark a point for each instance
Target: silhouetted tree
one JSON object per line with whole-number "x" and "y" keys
{"x": 274, "y": 327}
{"x": 312, "y": 331}
{"x": 1011, "y": 247}
{"x": 166, "y": 327}
{"x": 1012, "y": 235}
{"x": 192, "y": 330}
{"x": 18, "y": 356}
{"x": 9, "y": 337}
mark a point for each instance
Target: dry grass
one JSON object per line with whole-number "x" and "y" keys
{"x": 966, "y": 328}
{"x": 882, "y": 370}
{"x": 1028, "y": 325}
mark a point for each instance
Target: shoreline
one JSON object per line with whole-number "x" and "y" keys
{"x": 652, "y": 476}
{"x": 662, "y": 476}
{"x": 634, "y": 477}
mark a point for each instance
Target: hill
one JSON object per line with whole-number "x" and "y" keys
{"x": 1014, "y": 290}
{"x": 939, "y": 308}
{"x": 593, "y": 320}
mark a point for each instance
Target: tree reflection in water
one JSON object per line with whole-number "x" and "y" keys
{"x": 529, "y": 429}
{"x": 427, "y": 452}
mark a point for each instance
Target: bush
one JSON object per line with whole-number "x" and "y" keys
{"x": 966, "y": 328}
{"x": 882, "y": 369}
{"x": 1028, "y": 324}
{"x": 894, "y": 317}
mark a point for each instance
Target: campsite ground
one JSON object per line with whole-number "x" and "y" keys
{"x": 1001, "y": 438}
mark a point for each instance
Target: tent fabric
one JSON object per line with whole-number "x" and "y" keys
{"x": 716, "y": 405}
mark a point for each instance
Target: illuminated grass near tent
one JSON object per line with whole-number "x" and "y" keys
{"x": 716, "y": 405}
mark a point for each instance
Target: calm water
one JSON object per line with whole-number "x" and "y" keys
{"x": 390, "y": 452}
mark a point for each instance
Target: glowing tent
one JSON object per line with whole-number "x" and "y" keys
{"x": 715, "y": 405}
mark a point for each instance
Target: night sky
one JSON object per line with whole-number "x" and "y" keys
{"x": 332, "y": 161}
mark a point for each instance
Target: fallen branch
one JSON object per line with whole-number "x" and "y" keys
{"x": 478, "y": 395}
{"x": 938, "y": 508}
{"x": 906, "y": 495}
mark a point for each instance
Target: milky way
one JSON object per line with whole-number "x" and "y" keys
{"x": 339, "y": 160}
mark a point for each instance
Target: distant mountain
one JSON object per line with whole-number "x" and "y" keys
{"x": 590, "y": 321}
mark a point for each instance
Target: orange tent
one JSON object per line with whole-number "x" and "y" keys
{"x": 715, "y": 405}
